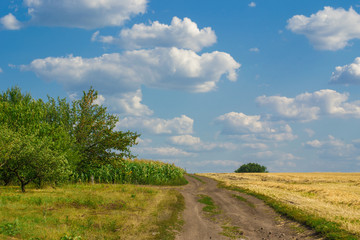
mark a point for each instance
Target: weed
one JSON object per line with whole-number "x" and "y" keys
{"x": 210, "y": 206}
{"x": 10, "y": 228}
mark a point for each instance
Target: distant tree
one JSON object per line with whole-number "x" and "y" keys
{"x": 251, "y": 168}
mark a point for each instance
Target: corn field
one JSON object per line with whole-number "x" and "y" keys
{"x": 135, "y": 172}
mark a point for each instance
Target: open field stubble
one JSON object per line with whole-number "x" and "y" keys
{"x": 85, "y": 211}
{"x": 334, "y": 197}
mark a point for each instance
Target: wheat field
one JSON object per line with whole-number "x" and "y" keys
{"x": 332, "y": 196}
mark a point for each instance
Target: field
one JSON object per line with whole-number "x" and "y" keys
{"x": 86, "y": 211}
{"x": 334, "y": 197}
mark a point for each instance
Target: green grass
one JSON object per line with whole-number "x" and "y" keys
{"x": 210, "y": 206}
{"x": 231, "y": 232}
{"x": 327, "y": 229}
{"x": 240, "y": 198}
{"x": 91, "y": 212}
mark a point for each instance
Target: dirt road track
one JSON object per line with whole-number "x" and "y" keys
{"x": 256, "y": 220}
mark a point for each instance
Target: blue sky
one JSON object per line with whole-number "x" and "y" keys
{"x": 209, "y": 85}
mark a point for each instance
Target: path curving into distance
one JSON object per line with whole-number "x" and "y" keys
{"x": 238, "y": 216}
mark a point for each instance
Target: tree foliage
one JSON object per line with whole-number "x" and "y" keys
{"x": 96, "y": 136}
{"x": 251, "y": 168}
{"x": 50, "y": 141}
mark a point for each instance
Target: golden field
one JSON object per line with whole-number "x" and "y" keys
{"x": 332, "y": 196}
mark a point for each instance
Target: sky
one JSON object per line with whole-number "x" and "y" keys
{"x": 209, "y": 85}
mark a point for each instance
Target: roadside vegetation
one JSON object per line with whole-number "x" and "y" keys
{"x": 327, "y": 202}
{"x": 75, "y": 165}
{"x": 85, "y": 211}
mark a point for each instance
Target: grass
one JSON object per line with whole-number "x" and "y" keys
{"x": 329, "y": 203}
{"x": 210, "y": 206}
{"x": 240, "y": 198}
{"x": 84, "y": 211}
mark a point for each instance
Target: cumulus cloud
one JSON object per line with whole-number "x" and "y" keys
{"x": 347, "y": 74}
{"x": 310, "y": 106}
{"x": 240, "y": 123}
{"x": 10, "y": 22}
{"x": 333, "y": 148}
{"x": 186, "y": 140}
{"x": 252, "y": 4}
{"x": 163, "y": 151}
{"x": 192, "y": 143}
{"x": 79, "y": 14}
{"x": 178, "y": 125}
{"x": 328, "y": 29}
{"x": 168, "y": 68}
{"x": 180, "y": 33}
{"x": 253, "y": 128}
{"x": 129, "y": 103}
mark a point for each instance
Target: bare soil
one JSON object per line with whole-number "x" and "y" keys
{"x": 251, "y": 216}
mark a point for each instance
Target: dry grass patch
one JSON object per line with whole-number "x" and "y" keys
{"x": 334, "y": 197}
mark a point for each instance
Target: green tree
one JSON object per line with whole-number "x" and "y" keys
{"x": 96, "y": 136}
{"x": 251, "y": 168}
{"x": 30, "y": 157}
{"x": 31, "y": 147}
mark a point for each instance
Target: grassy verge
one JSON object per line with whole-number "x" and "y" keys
{"x": 83, "y": 211}
{"x": 327, "y": 229}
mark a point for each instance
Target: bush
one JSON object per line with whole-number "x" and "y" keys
{"x": 251, "y": 168}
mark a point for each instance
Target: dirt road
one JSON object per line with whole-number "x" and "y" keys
{"x": 242, "y": 217}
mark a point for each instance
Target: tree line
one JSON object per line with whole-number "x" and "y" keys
{"x": 50, "y": 141}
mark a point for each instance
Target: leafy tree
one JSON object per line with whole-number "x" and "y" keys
{"x": 30, "y": 157}
{"x": 96, "y": 136}
{"x": 251, "y": 168}
{"x": 31, "y": 147}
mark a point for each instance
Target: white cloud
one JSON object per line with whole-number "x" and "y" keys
{"x": 1, "y": 70}
{"x": 260, "y": 146}
{"x": 192, "y": 143}
{"x": 82, "y": 13}
{"x": 310, "y": 106}
{"x": 333, "y": 148}
{"x": 178, "y": 125}
{"x": 254, "y": 50}
{"x": 252, "y": 128}
{"x": 181, "y": 34}
{"x": 163, "y": 151}
{"x": 168, "y": 68}
{"x": 10, "y": 22}
{"x": 186, "y": 140}
{"x": 347, "y": 74}
{"x": 239, "y": 123}
{"x": 252, "y": 4}
{"x": 129, "y": 103}
{"x": 309, "y": 132}
{"x": 328, "y": 29}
